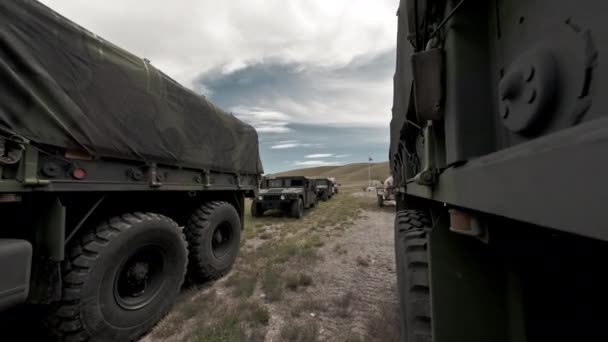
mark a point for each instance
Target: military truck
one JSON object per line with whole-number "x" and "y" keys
{"x": 499, "y": 150}
{"x": 290, "y": 194}
{"x": 325, "y": 188}
{"x": 117, "y": 182}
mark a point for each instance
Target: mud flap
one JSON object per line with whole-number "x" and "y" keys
{"x": 15, "y": 263}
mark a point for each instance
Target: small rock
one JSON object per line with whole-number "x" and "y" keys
{"x": 312, "y": 314}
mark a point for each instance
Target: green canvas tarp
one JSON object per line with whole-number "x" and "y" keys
{"x": 65, "y": 87}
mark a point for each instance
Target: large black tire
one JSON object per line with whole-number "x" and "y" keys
{"x": 120, "y": 279}
{"x": 256, "y": 211}
{"x": 411, "y": 253}
{"x": 214, "y": 235}
{"x": 380, "y": 201}
{"x": 325, "y": 196}
{"x": 297, "y": 208}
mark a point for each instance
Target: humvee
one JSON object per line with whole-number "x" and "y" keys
{"x": 115, "y": 180}
{"x": 325, "y": 188}
{"x": 289, "y": 194}
{"x": 499, "y": 145}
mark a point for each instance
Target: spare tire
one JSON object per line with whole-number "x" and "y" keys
{"x": 214, "y": 235}
{"x": 119, "y": 279}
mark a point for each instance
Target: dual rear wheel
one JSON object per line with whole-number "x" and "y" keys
{"x": 123, "y": 276}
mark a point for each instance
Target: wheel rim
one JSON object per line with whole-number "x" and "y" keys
{"x": 140, "y": 278}
{"x": 221, "y": 240}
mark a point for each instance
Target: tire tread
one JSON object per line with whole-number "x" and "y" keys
{"x": 411, "y": 243}
{"x": 65, "y": 321}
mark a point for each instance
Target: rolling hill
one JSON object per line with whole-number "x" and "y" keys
{"x": 350, "y": 173}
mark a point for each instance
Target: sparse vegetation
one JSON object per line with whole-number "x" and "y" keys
{"x": 305, "y": 332}
{"x": 308, "y": 305}
{"x": 354, "y": 337}
{"x": 257, "y": 313}
{"x": 384, "y": 326}
{"x": 227, "y": 328}
{"x": 295, "y": 281}
{"x": 343, "y": 304}
{"x": 361, "y": 261}
{"x": 242, "y": 285}
{"x": 272, "y": 285}
{"x": 265, "y": 236}
{"x": 274, "y": 270}
{"x": 339, "y": 249}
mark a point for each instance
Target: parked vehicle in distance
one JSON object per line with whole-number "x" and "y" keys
{"x": 115, "y": 180}
{"x": 325, "y": 188}
{"x": 385, "y": 192}
{"x": 336, "y": 186}
{"x": 290, "y": 194}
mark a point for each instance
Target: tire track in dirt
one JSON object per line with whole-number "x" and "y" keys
{"x": 355, "y": 280}
{"x": 369, "y": 240}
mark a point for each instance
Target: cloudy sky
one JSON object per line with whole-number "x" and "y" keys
{"x": 313, "y": 76}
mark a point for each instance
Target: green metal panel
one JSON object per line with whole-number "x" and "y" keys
{"x": 470, "y": 298}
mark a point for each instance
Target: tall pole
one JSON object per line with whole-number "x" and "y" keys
{"x": 369, "y": 172}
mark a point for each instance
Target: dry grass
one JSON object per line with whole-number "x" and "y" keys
{"x": 307, "y": 306}
{"x": 361, "y": 261}
{"x": 343, "y": 305}
{"x": 242, "y": 285}
{"x": 278, "y": 245}
{"x": 272, "y": 285}
{"x": 214, "y": 319}
{"x": 256, "y": 313}
{"x": 384, "y": 326}
{"x": 303, "y": 332}
{"x": 297, "y": 281}
{"x": 339, "y": 249}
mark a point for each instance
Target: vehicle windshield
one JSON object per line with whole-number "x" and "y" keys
{"x": 275, "y": 183}
{"x": 294, "y": 183}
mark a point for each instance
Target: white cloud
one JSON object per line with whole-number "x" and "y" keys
{"x": 284, "y": 146}
{"x": 187, "y": 37}
{"x": 264, "y": 121}
{"x": 319, "y": 155}
{"x": 313, "y": 163}
{"x": 293, "y": 144}
{"x": 343, "y": 155}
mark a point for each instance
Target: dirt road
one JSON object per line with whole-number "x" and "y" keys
{"x": 357, "y": 273}
{"x": 328, "y": 277}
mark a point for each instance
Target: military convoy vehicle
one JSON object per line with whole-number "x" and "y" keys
{"x": 499, "y": 145}
{"x": 385, "y": 192}
{"x": 116, "y": 182}
{"x": 289, "y": 194}
{"x": 325, "y": 188}
{"x": 336, "y": 185}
